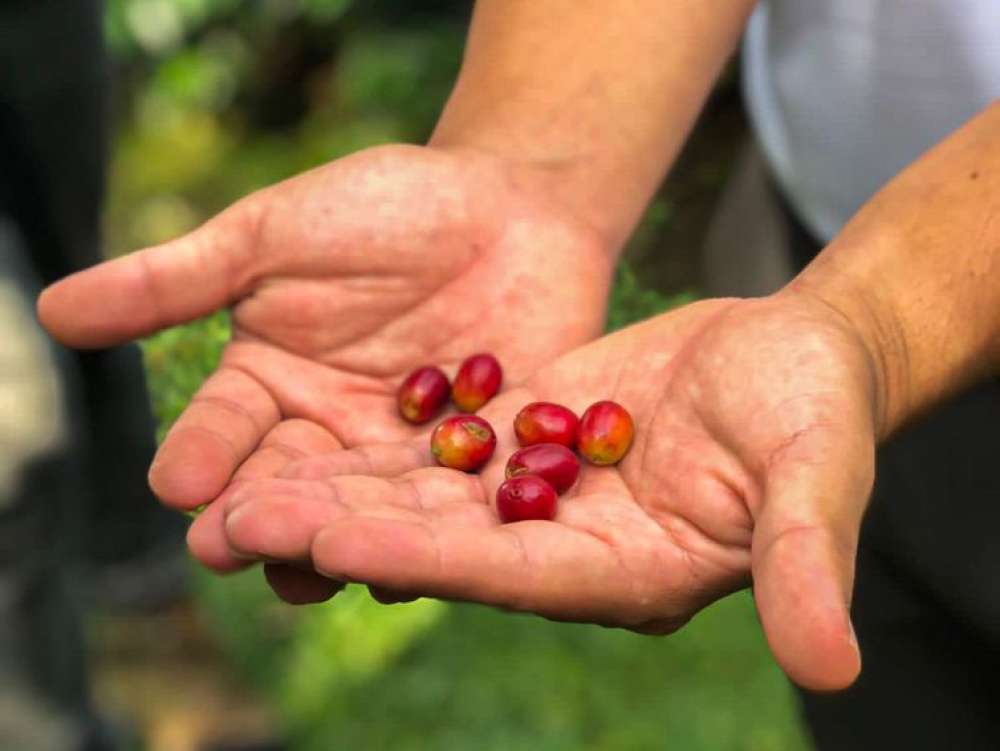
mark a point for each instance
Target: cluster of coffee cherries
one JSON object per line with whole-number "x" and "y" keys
{"x": 545, "y": 466}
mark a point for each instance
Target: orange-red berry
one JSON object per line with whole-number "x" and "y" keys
{"x": 544, "y": 422}
{"x": 525, "y": 497}
{"x": 422, "y": 395}
{"x": 554, "y": 463}
{"x": 478, "y": 381}
{"x": 605, "y": 433}
{"x": 464, "y": 442}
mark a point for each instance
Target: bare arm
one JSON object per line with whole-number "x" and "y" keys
{"x": 600, "y": 94}
{"x": 918, "y": 271}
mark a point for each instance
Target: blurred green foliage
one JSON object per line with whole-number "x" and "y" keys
{"x": 220, "y": 97}
{"x": 245, "y": 94}
{"x": 354, "y": 674}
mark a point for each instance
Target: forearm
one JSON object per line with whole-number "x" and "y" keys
{"x": 918, "y": 270}
{"x": 599, "y": 94}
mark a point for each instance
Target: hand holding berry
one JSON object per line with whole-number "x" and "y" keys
{"x": 752, "y": 457}
{"x": 341, "y": 281}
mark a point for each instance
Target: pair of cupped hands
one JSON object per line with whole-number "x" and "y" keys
{"x": 755, "y": 419}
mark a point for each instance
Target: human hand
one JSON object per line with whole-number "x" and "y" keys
{"x": 341, "y": 281}
{"x": 753, "y": 457}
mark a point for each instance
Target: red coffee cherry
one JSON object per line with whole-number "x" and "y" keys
{"x": 477, "y": 382}
{"x": 423, "y": 394}
{"x": 545, "y": 422}
{"x": 555, "y": 464}
{"x": 464, "y": 442}
{"x": 605, "y": 433}
{"x": 525, "y": 497}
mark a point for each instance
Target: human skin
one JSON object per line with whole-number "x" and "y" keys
{"x": 756, "y": 427}
{"x": 355, "y": 273}
{"x": 847, "y": 359}
{"x": 769, "y": 456}
{"x": 601, "y": 95}
{"x": 344, "y": 279}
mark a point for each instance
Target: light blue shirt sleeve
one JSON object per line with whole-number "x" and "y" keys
{"x": 843, "y": 94}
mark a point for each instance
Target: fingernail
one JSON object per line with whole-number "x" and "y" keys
{"x": 852, "y": 636}
{"x": 232, "y": 517}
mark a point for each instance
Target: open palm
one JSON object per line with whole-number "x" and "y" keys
{"x": 341, "y": 281}
{"x": 753, "y": 458}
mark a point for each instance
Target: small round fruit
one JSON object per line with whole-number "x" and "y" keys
{"x": 525, "y": 497}
{"x": 554, "y": 463}
{"x": 545, "y": 422}
{"x": 477, "y": 382}
{"x": 605, "y": 433}
{"x": 423, "y": 394}
{"x": 464, "y": 442}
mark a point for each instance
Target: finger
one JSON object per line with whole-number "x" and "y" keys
{"x": 225, "y": 421}
{"x": 289, "y": 440}
{"x": 206, "y": 539}
{"x": 159, "y": 287}
{"x": 298, "y": 587}
{"x": 278, "y": 519}
{"x": 804, "y": 548}
{"x": 543, "y": 567}
{"x": 356, "y": 409}
{"x": 378, "y": 460}
{"x": 207, "y": 542}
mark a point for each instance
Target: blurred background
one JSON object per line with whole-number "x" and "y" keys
{"x": 215, "y": 98}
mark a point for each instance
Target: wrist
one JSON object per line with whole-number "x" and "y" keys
{"x": 872, "y": 324}
{"x": 592, "y": 173}
{"x": 915, "y": 271}
{"x": 545, "y": 184}
{"x": 921, "y": 348}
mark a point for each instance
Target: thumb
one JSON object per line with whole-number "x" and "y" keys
{"x": 804, "y": 547}
{"x": 158, "y": 287}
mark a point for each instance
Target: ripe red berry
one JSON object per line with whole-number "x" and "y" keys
{"x": 477, "y": 382}
{"x": 422, "y": 394}
{"x": 463, "y": 442}
{"x": 525, "y": 497}
{"x": 554, "y": 463}
{"x": 605, "y": 434}
{"x": 544, "y": 422}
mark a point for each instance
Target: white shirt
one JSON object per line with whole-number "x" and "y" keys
{"x": 843, "y": 94}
